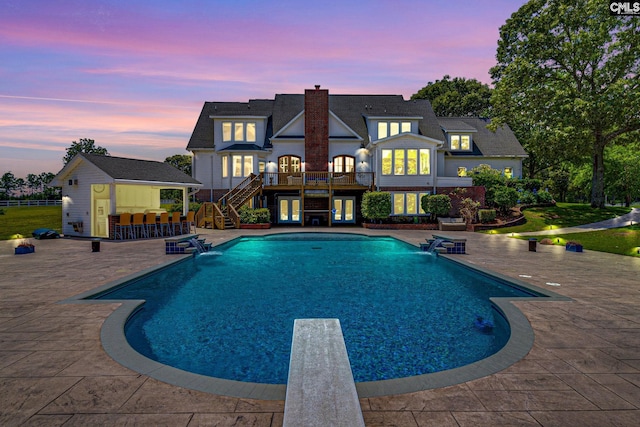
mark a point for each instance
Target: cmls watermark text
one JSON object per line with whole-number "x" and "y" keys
{"x": 624, "y": 7}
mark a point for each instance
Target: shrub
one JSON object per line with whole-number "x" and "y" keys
{"x": 436, "y": 204}
{"x": 249, "y": 215}
{"x": 376, "y": 205}
{"x": 528, "y": 198}
{"x": 544, "y": 197}
{"x": 486, "y": 215}
{"x": 469, "y": 209}
{"x": 505, "y": 198}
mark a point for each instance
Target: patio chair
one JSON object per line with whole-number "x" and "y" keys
{"x": 123, "y": 226}
{"x": 150, "y": 224}
{"x": 138, "y": 225}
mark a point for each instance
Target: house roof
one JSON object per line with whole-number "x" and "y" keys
{"x": 501, "y": 143}
{"x": 120, "y": 168}
{"x": 351, "y": 109}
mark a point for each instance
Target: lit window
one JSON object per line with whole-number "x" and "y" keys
{"x": 462, "y": 171}
{"x": 383, "y": 131}
{"x": 226, "y": 131}
{"x": 398, "y": 162}
{"x": 508, "y": 172}
{"x": 465, "y": 142}
{"x": 412, "y": 205}
{"x": 251, "y": 132}
{"x": 289, "y": 164}
{"x": 387, "y": 157}
{"x": 460, "y": 142}
{"x": 225, "y": 166}
{"x": 344, "y": 164}
{"x": 412, "y": 162}
{"x": 238, "y": 132}
{"x": 248, "y": 165}
{"x": 398, "y": 203}
{"x": 425, "y": 163}
{"x": 261, "y": 167}
{"x": 455, "y": 142}
{"x": 386, "y": 129}
{"x": 237, "y": 166}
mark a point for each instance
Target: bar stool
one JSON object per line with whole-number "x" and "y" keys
{"x": 176, "y": 224}
{"x": 165, "y": 227}
{"x": 150, "y": 224}
{"x": 123, "y": 225}
{"x": 138, "y": 225}
{"x": 189, "y": 222}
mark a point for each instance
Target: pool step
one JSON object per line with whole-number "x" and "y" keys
{"x": 320, "y": 390}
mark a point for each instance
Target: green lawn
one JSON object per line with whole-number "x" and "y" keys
{"x": 622, "y": 241}
{"x": 23, "y": 220}
{"x": 562, "y": 215}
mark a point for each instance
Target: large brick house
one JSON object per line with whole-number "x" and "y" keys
{"x": 311, "y": 157}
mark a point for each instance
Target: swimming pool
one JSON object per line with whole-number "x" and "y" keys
{"x": 404, "y": 313}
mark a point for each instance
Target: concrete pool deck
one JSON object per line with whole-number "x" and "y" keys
{"x": 584, "y": 368}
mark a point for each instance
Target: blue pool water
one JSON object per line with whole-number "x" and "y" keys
{"x": 230, "y": 313}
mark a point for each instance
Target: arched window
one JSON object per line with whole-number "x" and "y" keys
{"x": 344, "y": 164}
{"x": 289, "y": 164}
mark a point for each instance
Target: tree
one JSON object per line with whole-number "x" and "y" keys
{"x": 83, "y": 145}
{"x": 180, "y": 161}
{"x": 457, "y": 97}
{"x": 572, "y": 69}
{"x": 623, "y": 177}
{"x": 8, "y": 184}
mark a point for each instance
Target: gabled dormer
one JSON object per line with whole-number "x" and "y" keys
{"x": 458, "y": 135}
{"x": 381, "y": 127}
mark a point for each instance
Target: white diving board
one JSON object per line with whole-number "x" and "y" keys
{"x": 320, "y": 390}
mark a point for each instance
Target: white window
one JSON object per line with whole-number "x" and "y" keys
{"x": 408, "y": 203}
{"x": 225, "y": 166}
{"x": 238, "y": 132}
{"x": 406, "y": 161}
{"x": 288, "y": 209}
{"x": 392, "y": 128}
{"x": 242, "y": 165}
{"x": 460, "y": 142}
{"x": 343, "y": 210}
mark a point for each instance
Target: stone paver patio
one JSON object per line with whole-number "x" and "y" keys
{"x": 584, "y": 368}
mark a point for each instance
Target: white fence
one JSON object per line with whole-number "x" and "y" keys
{"x": 16, "y": 203}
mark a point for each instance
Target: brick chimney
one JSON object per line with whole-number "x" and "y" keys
{"x": 316, "y": 129}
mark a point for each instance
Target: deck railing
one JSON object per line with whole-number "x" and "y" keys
{"x": 315, "y": 179}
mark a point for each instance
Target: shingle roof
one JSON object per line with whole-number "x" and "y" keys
{"x": 500, "y": 143}
{"x": 351, "y": 109}
{"x": 139, "y": 170}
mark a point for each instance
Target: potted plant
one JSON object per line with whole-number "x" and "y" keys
{"x": 573, "y": 247}
{"x": 254, "y": 218}
{"x": 25, "y": 247}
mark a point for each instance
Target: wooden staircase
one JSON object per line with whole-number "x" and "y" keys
{"x": 224, "y": 213}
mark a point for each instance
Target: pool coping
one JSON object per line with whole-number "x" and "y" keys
{"x": 117, "y": 347}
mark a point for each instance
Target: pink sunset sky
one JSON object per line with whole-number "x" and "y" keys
{"x": 133, "y": 75}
